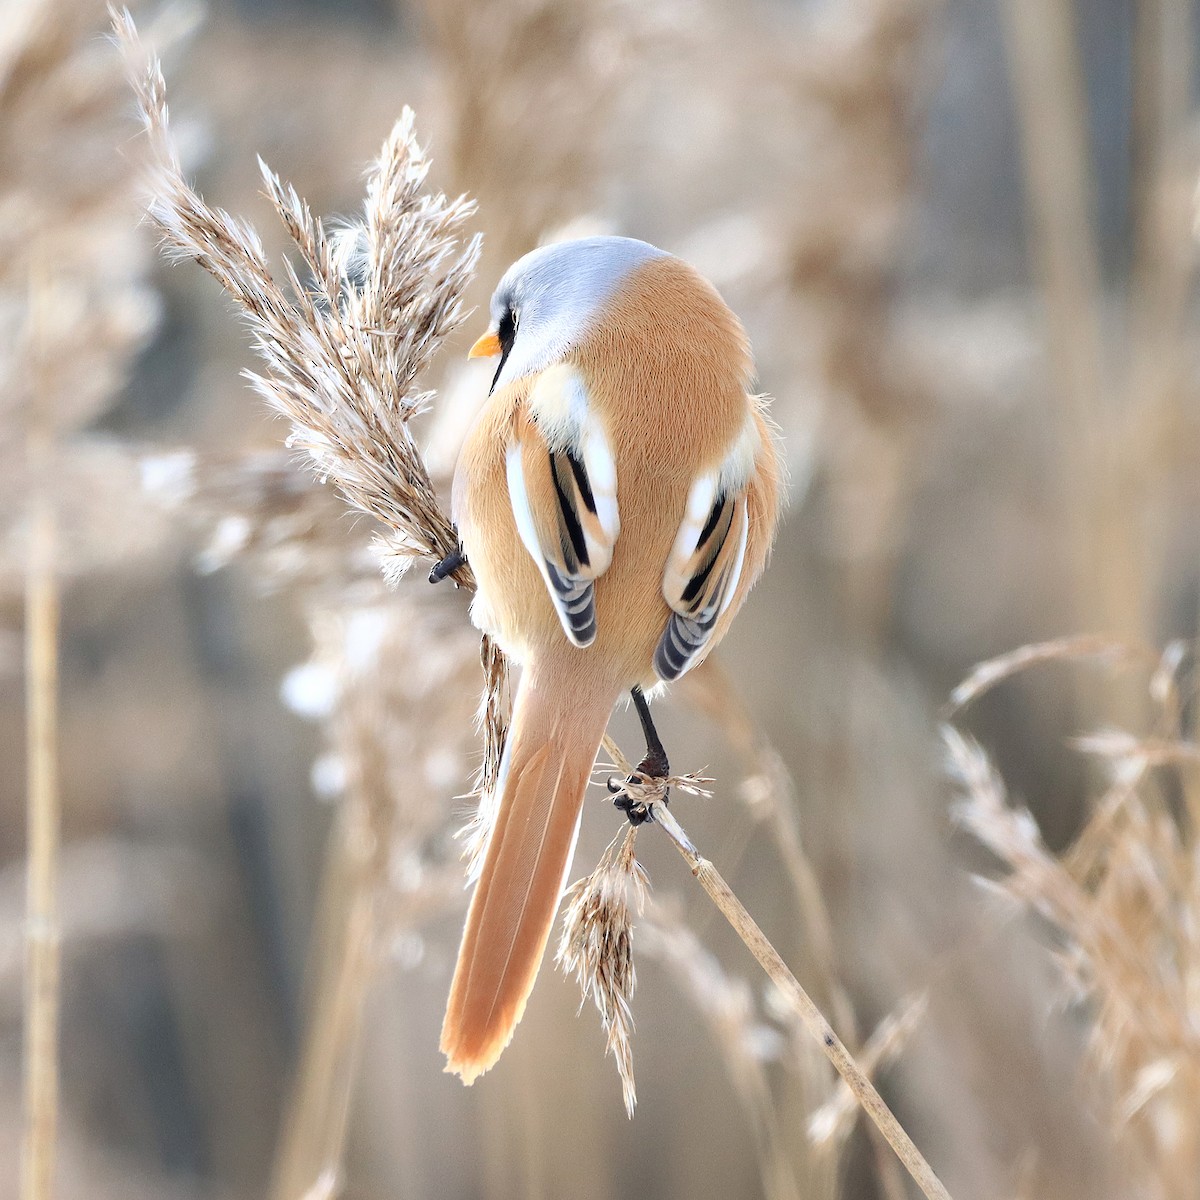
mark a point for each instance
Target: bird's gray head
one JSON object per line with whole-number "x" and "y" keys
{"x": 548, "y": 300}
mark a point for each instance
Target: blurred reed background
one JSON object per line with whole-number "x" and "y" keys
{"x": 961, "y": 237}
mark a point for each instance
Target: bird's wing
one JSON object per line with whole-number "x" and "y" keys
{"x": 705, "y": 564}
{"x": 562, "y": 482}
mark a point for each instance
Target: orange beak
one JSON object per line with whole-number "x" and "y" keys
{"x": 487, "y": 347}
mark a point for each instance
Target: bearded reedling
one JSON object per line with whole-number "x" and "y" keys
{"x": 617, "y": 498}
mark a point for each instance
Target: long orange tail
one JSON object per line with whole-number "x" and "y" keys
{"x": 552, "y": 745}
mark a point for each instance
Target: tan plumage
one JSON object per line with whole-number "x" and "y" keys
{"x": 552, "y": 748}
{"x": 654, "y": 383}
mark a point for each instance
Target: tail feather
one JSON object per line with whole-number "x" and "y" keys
{"x": 551, "y": 753}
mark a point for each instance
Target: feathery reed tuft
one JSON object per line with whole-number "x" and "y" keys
{"x": 344, "y": 347}
{"x": 1124, "y": 910}
{"x": 344, "y": 350}
{"x": 597, "y": 946}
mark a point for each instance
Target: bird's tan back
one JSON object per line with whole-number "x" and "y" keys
{"x": 666, "y": 369}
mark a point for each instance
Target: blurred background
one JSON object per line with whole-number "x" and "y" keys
{"x": 960, "y": 236}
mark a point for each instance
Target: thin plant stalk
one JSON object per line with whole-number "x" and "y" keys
{"x": 1162, "y": 283}
{"x": 42, "y": 933}
{"x": 1162, "y": 168}
{"x": 744, "y": 925}
{"x": 715, "y": 693}
{"x": 1052, "y": 107}
{"x": 318, "y": 1109}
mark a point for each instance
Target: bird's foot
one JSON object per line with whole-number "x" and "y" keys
{"x": 646, "y": 787}
{"x": 447, "y": 566}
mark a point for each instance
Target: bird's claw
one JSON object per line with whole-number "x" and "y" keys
{"x": 648, "y": 772}
{"x": 447, "y": 566}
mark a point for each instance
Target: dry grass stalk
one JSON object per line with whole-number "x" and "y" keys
{"x": 318, "y": 1109}
{"x": 1164, "y": 169}
{"x": 107, "y": 889}
{"x": 768, "y": 957}
{"x": 327, "y": 1187}
{"x": 769, "y": 794}
{"x": 1123, "y": 903}
{"x": 374, "y": 675}
{"x": 832, "y": 1123}
{"x": 726, "y": 1004}
{"x": 65, "y": 499}
{"x": 1116, "y": 455}
{"x": 597, "y": 948}
{"x": 344, "y": 349}
{"x": 62, "y": 187}
{"x": 42, "y": 932}
{"x": 492, "y": 719}
{"x": 645, "y": 790}
{"x": 986, "y": 675}
{"x": 1116, "y": 744}
{"x": 746, "y": 1045}
{"x": 1048, "y": 84}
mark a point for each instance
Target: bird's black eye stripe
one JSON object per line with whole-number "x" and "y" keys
{"x": 506, "y": 331}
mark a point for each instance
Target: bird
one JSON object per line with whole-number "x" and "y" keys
{"x": 616, "y": 498}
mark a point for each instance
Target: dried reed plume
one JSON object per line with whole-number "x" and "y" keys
{"x": 73, "y": 311}
{"x": 1124, "y": 907}
{"x": 597, "y": 946}
{"x": 344, "y": 347}
{"x": 492, "y": 719}
{"x": 378, "y": 678}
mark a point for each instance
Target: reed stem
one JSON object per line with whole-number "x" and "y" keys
{"x": 42, "y": 933}
{"x": 744, "y": 925}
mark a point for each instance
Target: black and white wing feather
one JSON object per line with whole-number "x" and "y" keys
{"x": 562, "y": 483}
{"x": 705, "y": 565}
